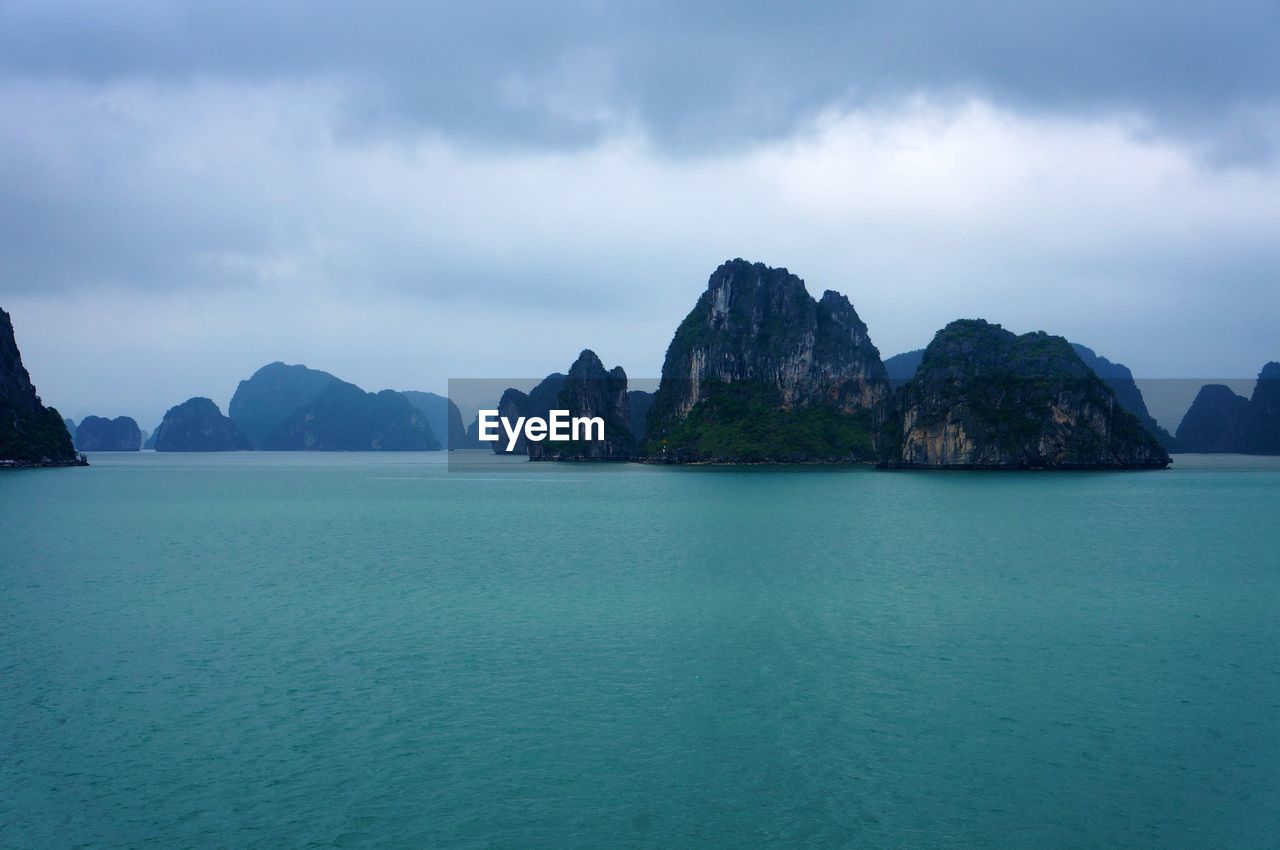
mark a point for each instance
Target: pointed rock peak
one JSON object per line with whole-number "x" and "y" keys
{"x": 587, "y": 364}
{"x": 743, "y": 270}
{"x": 1218, "y": 392}
{"x": 512, "y": 396}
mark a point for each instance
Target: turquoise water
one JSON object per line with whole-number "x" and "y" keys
{"x": 326, "y": 650}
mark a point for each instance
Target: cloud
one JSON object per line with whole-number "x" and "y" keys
{"x": 230, "y": 225}
{"x": 695, "y": 78}
{"x": 406, "y": 193}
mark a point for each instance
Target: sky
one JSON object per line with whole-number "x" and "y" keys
{"x": 403, "y": 193}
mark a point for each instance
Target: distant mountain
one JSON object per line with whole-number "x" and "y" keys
{"x": 150, "y": 441}
{"x": 639, "y": 402}
{"x": 346, "y": 418}
{"x": 30, "y": 433}
{"x": 197, "y": 425}
{"x": 1221, "y": 421}
{"x": 472, "y": 439}
{"x": 285, "y": 407}
{"x": 590, "y": 390}
{"x": 539, "y": 402}
{"x": 442, "y": 415}
{"x": 985, "y": 398}
{"x": 71, "y": 428}
{"x": 1262, "y": 431}
{"x": 761, "y": 371}
{"x": 97, "y": 434}
{"x": 272, "y": 394}
{"x": 902, "y": 366}
{"x": 1120, "y": 379}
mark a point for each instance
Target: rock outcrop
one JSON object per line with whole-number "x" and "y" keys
{"x": 985, "y": 398}
{"x": 97, "y": 434}
{"x": 197, "y": 425}
{"x": 1221, "y": 421}
{"x": 30, "y": 433}
{"x": 591, "y": 391}
{"x": 346, "y": 418}
{"x": 761, "y": 372}
{"x": 442, "y": 415}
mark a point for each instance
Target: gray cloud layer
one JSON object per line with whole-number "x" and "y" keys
{"x": 402, "y": 193}
{"x": 701, "y": 76}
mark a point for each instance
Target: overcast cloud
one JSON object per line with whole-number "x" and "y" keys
{"x": 402, "y": 194}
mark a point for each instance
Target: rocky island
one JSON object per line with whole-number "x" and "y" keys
{"x": 197, "y": 425}
{"x": 986, "y": 398}
{"x": 284, "y": 407}
{"x": 902, "y": 367}
{"x": 1221, "y": 421}
{"x": 760, "y": 371}
{"x": 269, "y": 396}
{"x": 98, "y": 434}
{"x": 346, "y": 418}
{"x": 591, "y": 390}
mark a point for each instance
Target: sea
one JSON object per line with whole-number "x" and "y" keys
{"x": 307, "y": 650}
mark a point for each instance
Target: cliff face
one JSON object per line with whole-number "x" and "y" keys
{"x": 197, "y": 425}
{"x": 443, "y": 417}
{"x": 30, "y": 433}
{"x": 985, "y": 398}
{"x": 346, "y": 418}
{"x": 760, "y": 371}
{"x": 1221, "y": 421}
{"x": 97, "y": 434}
{"x": 590, "y": 390}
